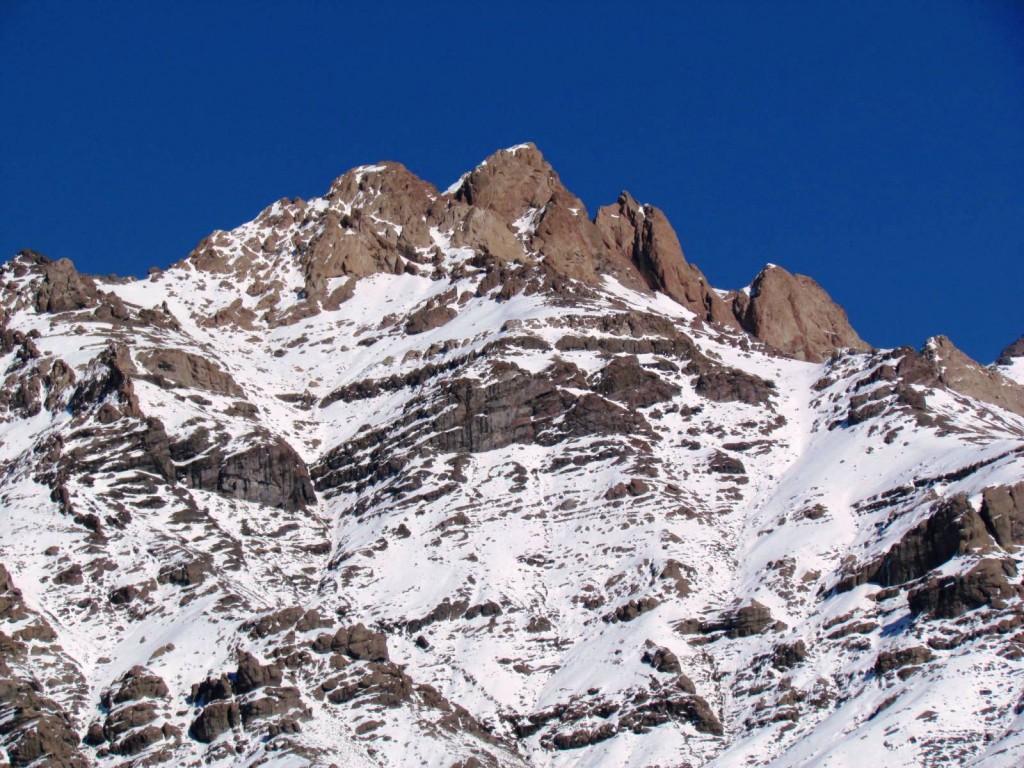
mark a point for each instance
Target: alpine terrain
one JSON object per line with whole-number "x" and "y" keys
{"x": 403, "y": 477}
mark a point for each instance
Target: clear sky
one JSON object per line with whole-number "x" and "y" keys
{"x": 876, "y": 146}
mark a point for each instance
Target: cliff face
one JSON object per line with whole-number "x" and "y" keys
{"x": 400, "y": 476}
{"x": 795, "y": 316}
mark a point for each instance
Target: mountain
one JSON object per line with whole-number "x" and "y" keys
{"x": 397, "y": 476}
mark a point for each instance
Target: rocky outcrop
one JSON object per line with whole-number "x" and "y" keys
{"x": 175, "y": 367}
{"x": 1012, "y": 352}
{"x": 584, "y": 721}
{"x": 267, "y": 472}
{"x": 903, "y": 657}
{"x": 953, "y": 528}
{"x": 470, "y": 416}
{"x": 137, "y": 683}
{"x": 62, "y": 288}
{"x": 794, "y": 315}
{"x": 626, "y": 381}
{"x": 646, "y": 239}
{"x": 356, "y": 642}
{"x": 989, "y": 583}
{"x": 358, "y": 244}
{"x": 1002, "y": 510}
{"x": 750, "y": 619}
{"x": 251, "y": 674}
{"x": 34, "y": 729}
{"x": 215, "y": 719}
{"x": 940, "y": 363}
{"x": 109, "y": 379}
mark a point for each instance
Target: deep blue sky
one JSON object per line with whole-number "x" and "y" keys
{"x": 876, "y": 146}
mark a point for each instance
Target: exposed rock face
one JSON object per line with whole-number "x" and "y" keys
{"x": 950, "y": 367}
{"x": 252, "y": 675}
{"x": 179, "y": 368}
{"x": 644, "y": 235}
{"x": 63, "y": 289}
{"x": 1002, "y": 510}
{"x": 552, "y": 511}
{"x": 34, "y": 729}
{"x": 989, "y": 583}
{"x": 136, "y": 683}
{"x": 268, "y": 473}
{"x": 953, "y": 528}
{"x": 793, "y": 314}
{"x": 511, "y": 182}
{"x": 215, "y": 718}
{"x": 110, "y": 377}
{"x": 1012, "y": 352}
{"x": 357, "y": 642}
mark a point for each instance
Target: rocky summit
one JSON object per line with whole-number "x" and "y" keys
{"x": 403, "y": 477}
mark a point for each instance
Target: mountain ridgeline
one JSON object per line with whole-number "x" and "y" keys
{"x": 469, "y": 479}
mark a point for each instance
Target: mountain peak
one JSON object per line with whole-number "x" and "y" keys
{"x": 793, "y": 314}
{"x": 511, "y": 182}
{"x": 1012, "y": 352}
{"x": 448, "y": 483}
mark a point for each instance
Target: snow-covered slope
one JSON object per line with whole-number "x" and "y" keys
{"x": 401, "y": 477}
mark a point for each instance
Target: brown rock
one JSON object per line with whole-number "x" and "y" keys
{"x": 275, "y": 702}
{"x": 725, "y": 385}
{"x": 626, "y": 381}
{"x": 751, "y": 619}
{"x": 185, "y": 574}
{"x": 114, "y": 370}
{"x": 63, "y": 289}
{"x": 789, "y": 655}
{"x": 510, "y": 182}
{"x": 889, "y": 660}
{"x": 1013, "y": 351}
{"x": 212, "y": 689}
{"x": 945, "y": 365}
{"x": 137, "y": 683}
{"x": 662, "y": 659}
{"x": 429, "y": 318}
{"x": 125, "y": 718}
{"x": 1002, "y": 510}
{"x": 632, "y": 610}
{"x": 357, "y": 642}
{"x": 71, "y": 575}
{"x": 724, "y": 464}
{"x": 138, "y": 741}
{"x": 793, "y": 314}
{"x": 952, "y": 528}
{"x": 986, "y": 584}
{"x": 251, "y": 675}
{"x": 216, "y": 718}
{"x": 269, "y": 472}
{"x": 179, "y": 368}
{"x": 648, "y": 242}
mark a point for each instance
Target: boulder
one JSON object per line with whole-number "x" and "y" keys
{"x": 216, "y": 718}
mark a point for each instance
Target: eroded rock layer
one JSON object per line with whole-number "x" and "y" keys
{"x": 398, "y": 476}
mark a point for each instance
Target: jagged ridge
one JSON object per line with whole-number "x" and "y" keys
{"x": 468, "y": 478}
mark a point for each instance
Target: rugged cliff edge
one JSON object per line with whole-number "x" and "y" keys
{"x": 468, "y": 478}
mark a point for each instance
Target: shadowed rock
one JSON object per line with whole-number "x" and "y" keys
{"x": 1012, "y": 352}
{"x": 1002, "y": 510}
{"x": 952, "y": 528}
{"x": 989, "y": 583}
